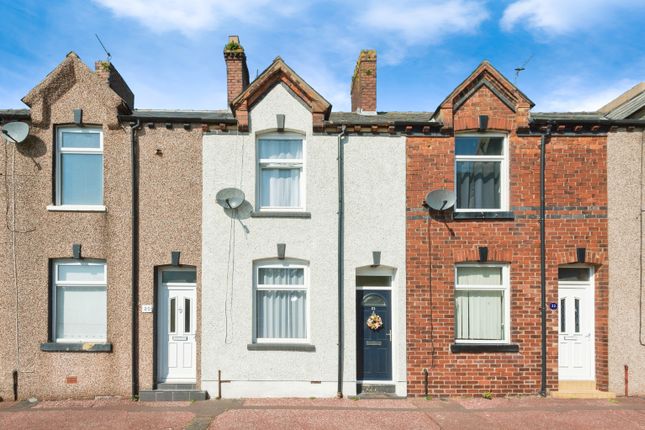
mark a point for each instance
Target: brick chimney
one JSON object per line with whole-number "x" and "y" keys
{"x": 364, "y": 83}
{"x": 108, "y": 73}
{"x": 237, "y": 73}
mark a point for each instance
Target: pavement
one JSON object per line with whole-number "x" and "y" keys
{"x": 292, "y": 414}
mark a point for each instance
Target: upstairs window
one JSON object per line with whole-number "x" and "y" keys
{"x": 79, "y": 167}
{"x": 281, "y": 163}
{"x": 481, "y": 173}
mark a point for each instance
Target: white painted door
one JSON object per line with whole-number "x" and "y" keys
{"x": 176, "y": 328}
{"x": 576, "y": 358}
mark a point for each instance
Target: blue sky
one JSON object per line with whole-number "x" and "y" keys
{"x": 582, "y": 53}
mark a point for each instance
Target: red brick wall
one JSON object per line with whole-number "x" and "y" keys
{"x": 576, "y": 217}
{"x": 363, "y": 93}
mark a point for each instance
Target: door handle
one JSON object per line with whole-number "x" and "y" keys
{"x": 389, "y": 334}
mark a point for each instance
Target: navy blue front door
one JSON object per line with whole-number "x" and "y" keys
{"x": 374, "y": 348}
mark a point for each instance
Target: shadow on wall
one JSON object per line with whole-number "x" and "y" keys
{"x": 242, "y": 212}
{"x": 33, "y": 147}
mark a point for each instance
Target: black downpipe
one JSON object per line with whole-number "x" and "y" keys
{"x": 14, "y": 374}
{"x": 341, "y": 257}
{"x": 134, "y": 157}
{"x": 543, "y": 142}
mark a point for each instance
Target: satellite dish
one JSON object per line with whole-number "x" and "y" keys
{"x": 230, "y": 198}
{"x": 15, "y": 132}
{"x": 440, "y": 200}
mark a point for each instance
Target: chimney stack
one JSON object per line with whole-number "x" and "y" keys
{"x": 110, "y": 75}
{"x": 237, "y": 73}
{"x": 364, "y": 83}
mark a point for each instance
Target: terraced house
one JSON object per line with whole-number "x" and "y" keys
{"x": 280, "y": 248}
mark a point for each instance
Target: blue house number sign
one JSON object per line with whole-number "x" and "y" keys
{"x": 553, "y": 306}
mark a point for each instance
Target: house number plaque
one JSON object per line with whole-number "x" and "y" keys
{"x": 146, "y": 309}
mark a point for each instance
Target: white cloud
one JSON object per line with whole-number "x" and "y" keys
{"x": 407, "y": 23}
{"x": 556, "y": 17}
{"x": 189, "y": 16}
{"x": 573, "y": 95}
{"x": 415, "y": 21}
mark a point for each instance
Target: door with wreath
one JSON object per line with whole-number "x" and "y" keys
{"x": 374, "y": 335}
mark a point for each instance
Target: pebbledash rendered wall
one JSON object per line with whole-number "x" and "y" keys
{"x": 169, "y": 219}
{"x": 375, "y": 169}
{"x": 43, "y": 234}
{"x": 627, "y": 310}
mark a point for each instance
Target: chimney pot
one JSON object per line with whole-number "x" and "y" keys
{"x": 363, "y": 91}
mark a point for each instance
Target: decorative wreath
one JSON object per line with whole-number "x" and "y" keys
{"x": 374, "y": 322}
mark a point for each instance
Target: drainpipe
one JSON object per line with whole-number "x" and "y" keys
{"x": 546, "y": 135}
{"x": 134, "y": 153}
{"x": 341, "y": 251}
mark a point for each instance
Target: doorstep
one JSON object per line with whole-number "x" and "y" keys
{"x": 376, "y": 391}
{"x": 172, "y": 393}
{"x": 580, "y": 390}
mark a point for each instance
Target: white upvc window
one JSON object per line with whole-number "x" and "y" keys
{"x": 281, "y": 172}
{"x": 481, "y": 172}
{"x": 281, "y": 302}
{"x": 482, "y": 303}
{"x": 79, "y": 168}
{"x": 79, "y": 301}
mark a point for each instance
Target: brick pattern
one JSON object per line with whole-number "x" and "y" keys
{"x": 237, "y": 73}
{"x": 275, "y": 74}
{"x": 576, "y": 192}
{"x": 363, "y": 92}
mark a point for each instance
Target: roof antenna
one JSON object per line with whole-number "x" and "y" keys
{"x": 109, "y": 56}
{"x": 521, "y": 68}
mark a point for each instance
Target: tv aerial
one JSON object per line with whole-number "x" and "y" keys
{"x": 15, "y": 132}
{"x": 440, "y": 200}
{"x": 230, "y": 198}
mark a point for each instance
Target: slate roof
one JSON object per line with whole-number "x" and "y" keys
{"x": 14, "y": 113}
{"x": 567, "y": 116}
{"x": 181, "y": 115}
{"x": 341, "y": 118}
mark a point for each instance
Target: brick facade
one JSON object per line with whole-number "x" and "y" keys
{"x": 576, "y": 200}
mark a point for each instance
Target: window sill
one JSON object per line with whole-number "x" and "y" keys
{"x": 304, "y": 347}
{"x": 77, "y": 208}
{"x": 76, "y": 347}
{"x": 508, "y": 215}
{"x": 484, "y": 347}
{"x": 280, "y": 214}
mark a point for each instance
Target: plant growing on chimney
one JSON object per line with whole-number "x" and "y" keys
{"x": 105, "y": 66}
{"x": 232, "y": 46}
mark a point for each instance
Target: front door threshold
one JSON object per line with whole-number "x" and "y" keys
{"x": 580, "y": 390}
{"x": 376, "y": 391}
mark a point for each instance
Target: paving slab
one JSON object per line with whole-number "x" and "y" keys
{"x": 292, "y": 414}
{"x": 93, "y": 419}
{"x": 279, "y": 419}
{"x": 331, "y": 403}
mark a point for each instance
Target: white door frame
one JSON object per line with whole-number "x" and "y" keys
{"x": 380, "y": 271}
{"x": 162, "y": 336}
{"x": 589, "y": 288}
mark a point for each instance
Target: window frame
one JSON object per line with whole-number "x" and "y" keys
{"x": 505, "y": 288}
{"x": 54, "y": 290}
{"x": 58, "y": 205}
{"x": 504, "y": 170}
{"x": 284, "y": 163}
{"x": 281, "y": 264}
